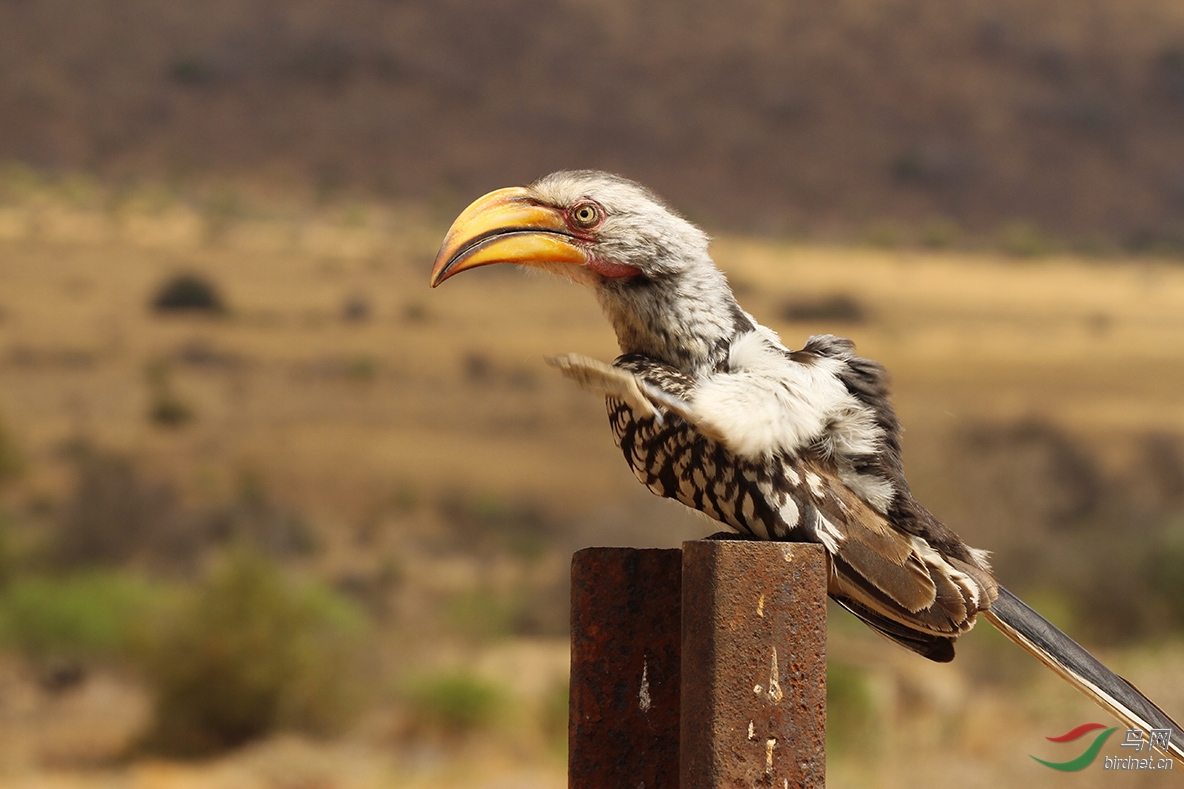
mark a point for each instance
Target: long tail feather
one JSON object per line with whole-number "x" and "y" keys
{"x": 1066, "y": 657}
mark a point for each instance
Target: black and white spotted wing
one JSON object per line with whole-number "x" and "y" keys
{"x": 893, "y": 580}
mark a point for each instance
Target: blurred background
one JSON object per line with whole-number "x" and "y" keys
{"x": 274, "y": 514}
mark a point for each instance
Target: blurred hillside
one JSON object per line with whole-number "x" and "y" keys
{"x": 267, "y": 500}
{"x": 265, "y": 497}
{"x": 762, "y": 115}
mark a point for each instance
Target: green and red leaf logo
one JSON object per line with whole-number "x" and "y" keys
{"x": 1088, "y": 755}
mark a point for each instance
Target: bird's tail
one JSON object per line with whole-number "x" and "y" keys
{"x": 1066, "y": 657}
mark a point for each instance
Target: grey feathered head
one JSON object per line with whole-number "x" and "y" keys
{"x": 649, "y": 266}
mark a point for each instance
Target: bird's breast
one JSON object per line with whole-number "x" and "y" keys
{"x": 675, "y": 461}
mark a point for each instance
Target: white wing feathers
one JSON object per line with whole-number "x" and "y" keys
{"x": 762, "y": 404}
{"x": 595, "y": 376}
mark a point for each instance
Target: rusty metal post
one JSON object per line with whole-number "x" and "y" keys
{"x": 753, "y": 665}
{"x": 623, "y": 725}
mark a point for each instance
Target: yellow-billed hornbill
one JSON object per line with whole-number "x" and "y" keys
{"x": 709, "y": 408}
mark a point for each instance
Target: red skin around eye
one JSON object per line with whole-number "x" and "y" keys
{"x": 605, "y": 268}
{"x": 585, "y": 232}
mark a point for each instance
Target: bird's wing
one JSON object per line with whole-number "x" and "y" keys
{"x": 593, "y": 375}
{"x": 895, "y": 581}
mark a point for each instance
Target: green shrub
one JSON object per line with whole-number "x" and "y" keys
{"x": 850, "y": 717}
{"x": 883, "y": 234}
{"x": 8, "y": 552}
{"x": 96, "y": 614}
{"x": 484, "y": 613}
{"x": 454, "y": 703}
{"x": 1023, "y": 240}
{"x": 12, "y": 462}
{"x": 553, "y": 714}
{"x": 253, "y": 652}
{"x": 1165, "y": 573}
{"x": 940, "y": 234}
{"x": 519, "y": 610}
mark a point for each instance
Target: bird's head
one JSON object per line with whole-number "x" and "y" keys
{"x": 648, "y": 266}
{"x": 588, "y": 226}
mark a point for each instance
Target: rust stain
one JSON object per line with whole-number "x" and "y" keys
{"x": 623, "y": 725}
{"x": 665, "y": 646}
{"x": 734, "y": 732}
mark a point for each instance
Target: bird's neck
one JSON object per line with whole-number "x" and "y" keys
{"x": 687, "y": 320}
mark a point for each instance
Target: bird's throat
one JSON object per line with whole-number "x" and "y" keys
{"x": 684, "y": 322}
{"x": 611, "y": 269}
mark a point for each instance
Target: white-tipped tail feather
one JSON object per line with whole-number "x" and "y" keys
{"x": 1079, "y": 668}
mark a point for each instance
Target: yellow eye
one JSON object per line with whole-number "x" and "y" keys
{"x": 585, "y": 214}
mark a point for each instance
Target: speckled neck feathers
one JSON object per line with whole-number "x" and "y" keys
{"x": 687, "y": 320}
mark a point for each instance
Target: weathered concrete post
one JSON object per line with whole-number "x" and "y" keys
{"x": 753, "y": 665}
{"x": 625, "y": 631}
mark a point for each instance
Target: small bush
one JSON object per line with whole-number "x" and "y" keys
{"x": 850, "y": 715}
{"x": 1165, "y": 575}
{"x": 193, "y": 71}
{"x": 361, "y": 368}
{"x": 255, "y": 521}
{"x": 97, "y": 614}
{"x": 484, "y": 613}
{"x": 168, "y": 410}
{"x": 1023, "y": 240}
{"x": 836, "y": 307}
{"x": 883, "y": 235}
{"x": 116, "y": 515}
{"x": 1162, "y": 242}
{"x": 112, "y": 514}
{"x": 940, "y": 234}
{"x": 222, "y": 211}
{"x": 12, "y": 462}
{"x": 415, "y": 312}
{"x": 553, "y": 714}
{"x": 8, "y": 552}
{"x": 454, "y": 703}
{"x": 356, "y": 309}
{"x": 252, "y": 653}
{"x": 484, "y": 523}
{"x": 188, "y": 293}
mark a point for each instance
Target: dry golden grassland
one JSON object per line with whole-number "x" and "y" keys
{"x": 370, "y": 426}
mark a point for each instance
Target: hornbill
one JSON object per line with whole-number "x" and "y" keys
{"x": 711, "y": 409}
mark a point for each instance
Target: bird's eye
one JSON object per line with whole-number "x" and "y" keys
{"x": 585, "y": 214}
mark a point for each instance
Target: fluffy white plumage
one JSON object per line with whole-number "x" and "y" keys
{"x": 766, "y": 403}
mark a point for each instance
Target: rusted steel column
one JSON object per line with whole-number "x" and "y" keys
{"x": 753, "y": 665}
{"x": 623, "y": 728}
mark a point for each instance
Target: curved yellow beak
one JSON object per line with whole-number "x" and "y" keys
{"x": 505, "y": 226}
